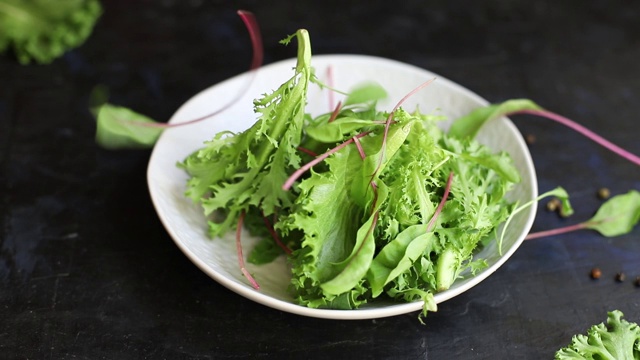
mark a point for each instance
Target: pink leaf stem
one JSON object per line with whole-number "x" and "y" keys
{"x": 251, "y": 23}
{"x": 447, "y": 188}
{"x": 275, "y": 236}
{"x": 335, "y": 112}
{"x": 296, "y": 174}
{"x": 360, "y": 149}
{"x": 330, "y": 83}
{"x": 584, "y": 131}
{"x": 253, "y": 281}
{"x": 557, "y": 231}
{"x": 307, "y": 151}
{"x": 390, "y": 119}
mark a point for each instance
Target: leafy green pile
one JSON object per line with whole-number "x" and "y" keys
{"x": 42, "y": 30}
{"x": 365, "y": 222}
{"x": 617, "y": 340}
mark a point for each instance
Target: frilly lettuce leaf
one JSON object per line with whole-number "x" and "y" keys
{"x": 617, "y": 340}
{"x": 42, "y": 30}
{"x": 232, "y": 173}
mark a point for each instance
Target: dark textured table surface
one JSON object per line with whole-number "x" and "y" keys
{"x": 88, "y": 272}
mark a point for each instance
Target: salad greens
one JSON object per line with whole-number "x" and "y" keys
{"x": 254, "y": 163}
{"x": 617, "y": 340}
{"x": 393, "y": 207}
{"x": 42, "y": 30}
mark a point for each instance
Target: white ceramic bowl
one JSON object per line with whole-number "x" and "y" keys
{"x": 217, "y": 257}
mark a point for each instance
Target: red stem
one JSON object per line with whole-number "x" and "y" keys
{"x": 447, "y": 188}
{"x": 330, "y": 82}
{"x": 390, "y": 118}
{"x": 253, "y": 281}
{"x": 251, "y": 23}
{"x": 335, "y": 112}
{"x": 584, "y": 131}
{"x": 296, "y": 174}
{"x": 275, "y": 236}
{"x": 557, "y": 231}
{"x": 360, "y": 149}
{"x": 307, "y": 151}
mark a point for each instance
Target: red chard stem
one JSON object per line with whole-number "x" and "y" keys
{"x": 246, "y": 273}
{"x": 584, "y": 131}
{"x": 447, "y": 189}
{"x": 557, "y": 231}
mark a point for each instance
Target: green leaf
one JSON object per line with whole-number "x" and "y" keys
{"x": 618, "y": 215}
{"x": 398, "y": 256}
{"x": 448, "y": 268}
{"x": 120, "y": 128}
{"x": 617, "y": 340}
{"x": 377, "y": 158}
{"x": 336, "y": 130}
{"x": 497, "y": 164}
{"x": 558, "y": 192}
{"x": 265, "y": 251}
{"x": 234, "y": 173}
{"x": 356, "y": 266}
{"x": 43, "y": 30}
{"x": 365, "y": 93}
{"x": 468, "y": 125}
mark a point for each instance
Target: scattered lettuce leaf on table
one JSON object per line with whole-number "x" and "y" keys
{"x": 617, "y": 216}
{"x": 617, "y": 340}
{"x": 43, "y": 30}
{"x": 122, "y": 128}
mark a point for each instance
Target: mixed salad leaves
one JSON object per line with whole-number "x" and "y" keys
{"x": 393, "y": 207}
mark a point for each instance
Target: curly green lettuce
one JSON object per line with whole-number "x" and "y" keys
{"x": 617, "y": 340}
{"x": 43, "y": 30}
{"x": 234, "y": 173}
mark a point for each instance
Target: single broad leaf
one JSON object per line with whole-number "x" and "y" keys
{"x": 120, "y": 128}
{"x": 497, "y": 164}
{"x": 398, "y": 256}
{"x": 377, "y": 158}
{"x": 356, "y": 265}
{"x": 365, "y": 93}
{"x": 330, "y": 132}
{"x": 468, "y": 125}
{"x": 328, "y": 218}
{"x": 618, "y": 215}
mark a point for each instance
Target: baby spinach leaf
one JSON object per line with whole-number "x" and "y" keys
{"x": 617, "y": 216}
{"x": 469, "y": 125}
{"x": 115, "y": 131}
{"x": 365, "y": 93}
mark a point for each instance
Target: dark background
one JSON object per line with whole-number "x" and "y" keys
{"x": 88, "y": 272}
